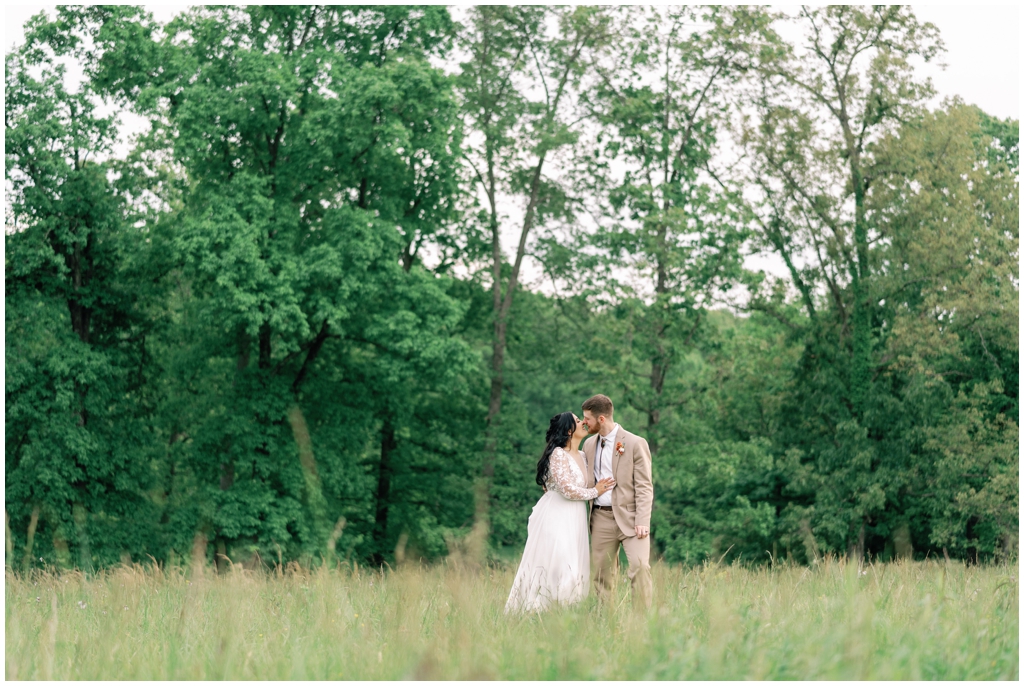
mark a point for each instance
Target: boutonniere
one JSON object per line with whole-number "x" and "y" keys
{"x": 619, "y": 448}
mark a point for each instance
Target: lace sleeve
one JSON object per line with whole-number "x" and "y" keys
{"x": 564, "y": 480}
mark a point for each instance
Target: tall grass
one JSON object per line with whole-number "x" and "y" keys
{"x": 921, "y": 620}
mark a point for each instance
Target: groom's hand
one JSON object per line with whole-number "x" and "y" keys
{"x": 642, "y": 532}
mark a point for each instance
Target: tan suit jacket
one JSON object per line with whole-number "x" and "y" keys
{"x": 633, "y": 495}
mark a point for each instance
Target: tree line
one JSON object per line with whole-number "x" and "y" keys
{"x": 281, "y": 323}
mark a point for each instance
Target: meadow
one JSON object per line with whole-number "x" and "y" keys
{"x": 904, "y": 620}
{"x": 896, "y": 620}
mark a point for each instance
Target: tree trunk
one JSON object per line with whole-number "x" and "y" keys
{"x": 856, "y": 548}
{"x": 498, "y": 342}
{"x": 860, "y": 320}
{"x": 81, "y": 269}
{"x": 658, "y": 371}
{"x": 80, "y": 319}
{"x": 30, "y": 537}
{"x": 221, "y": 557}
{"x": 227, "y": 467}
{"x": 502, "y": 306}
{"x": 502, "y": 303}
{"x": 80, "y": 262}
{"x": 314, "y": 349}
{"x": 264, "y": 345}
{"x": 243, "y": 352}
{"x": 660, "y": 363}
{"x": 860, "y": 380}
{"x": 494, "y": 405}
{"x": 81, "y": 518}
{"x": 481, "y": 493}
{"x": 409, "y": 256}
{"x": 380, "y": 523}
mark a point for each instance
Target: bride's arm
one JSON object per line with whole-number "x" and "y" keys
{"x": 561, "y": 472}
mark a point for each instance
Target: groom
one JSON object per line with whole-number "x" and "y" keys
{"x": 623, "y": 514}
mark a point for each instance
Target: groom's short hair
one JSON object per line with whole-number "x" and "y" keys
{"x": 599, "y": 405}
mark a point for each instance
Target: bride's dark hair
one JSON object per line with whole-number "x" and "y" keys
{"x": 562, "y": 427}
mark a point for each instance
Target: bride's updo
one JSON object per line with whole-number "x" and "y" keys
{"x": 562, "y": 427}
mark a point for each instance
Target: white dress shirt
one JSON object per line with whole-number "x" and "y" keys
{"x": 603, "y": 459}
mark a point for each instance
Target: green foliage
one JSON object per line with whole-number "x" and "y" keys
{"x": 315, "y": 164}
{"x": 75, "y": 358}
{"x": 712, "y": 622}
{"x": 279, "y": 325}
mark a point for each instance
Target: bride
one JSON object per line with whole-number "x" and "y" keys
{"x": 556, "y": 561}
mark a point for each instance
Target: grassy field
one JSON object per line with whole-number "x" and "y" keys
{"x": 922, "y": 620}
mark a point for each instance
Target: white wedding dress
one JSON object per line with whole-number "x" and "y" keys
{"x": 556, "y": 561}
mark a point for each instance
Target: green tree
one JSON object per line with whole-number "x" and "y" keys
{"x": 668, "y": 240}
{"x": 76, "y": 357}
{"x": 510, "y": 50}
{"x": 819, "y": 108}
{"x": 281, "y": 320}
{"x": 948, "y": 279}
{"x": 319, "y": 151}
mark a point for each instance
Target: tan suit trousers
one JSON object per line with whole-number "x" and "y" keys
{"x": 605, "y": 537}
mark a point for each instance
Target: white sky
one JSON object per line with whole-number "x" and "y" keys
{"x": 982, "y": 67}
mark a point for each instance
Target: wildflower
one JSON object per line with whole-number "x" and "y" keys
{"x": 37, "y": 599}
{"x": 81, "y": 604}
{"x": 126, "y": 607}
{"x": 863, "y": 572}
{"x": 356, "y": 615}
{"x": 104, "y": 612}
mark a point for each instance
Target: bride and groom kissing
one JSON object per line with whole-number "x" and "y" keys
{"x": 613, "y": 472}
